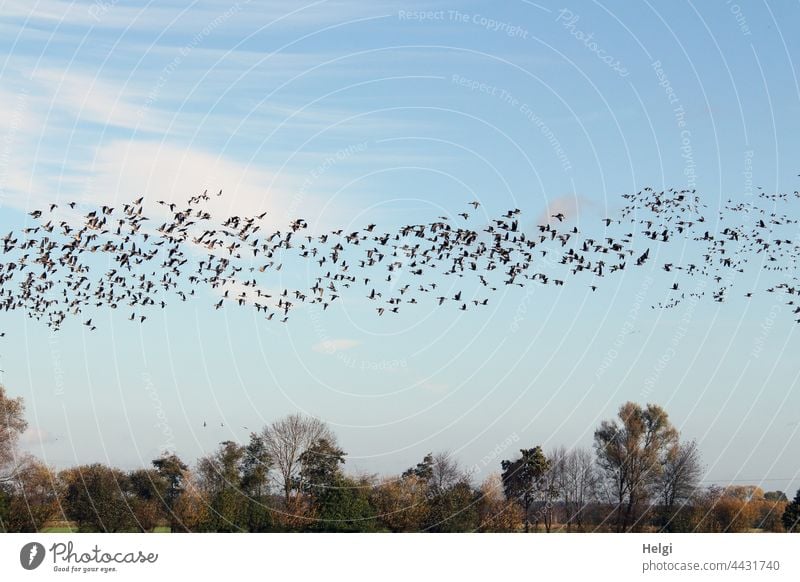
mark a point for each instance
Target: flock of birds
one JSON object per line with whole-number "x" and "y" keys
{"x": 119, "y": 258}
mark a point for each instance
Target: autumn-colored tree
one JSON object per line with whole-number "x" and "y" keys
{"x": 735, "y": 514}
{"x": 631, "y": 454}
{"x": 191, "y": 508}
{"x": 451, "y": 501}
{"x": 146, "y": 493}
{"x": 94, "y": 496}
{"x": 495, "y": 512}
{"x": 745, "y": 492}
{"x": 770, "y": 510}
{"x": 33, "y": 498}
{"x": 726, "y": 509}
{"x": 402, "y": 503}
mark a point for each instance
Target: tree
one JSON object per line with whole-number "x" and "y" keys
{"x": 191, "y": 507}
{"x": 94, "y": 496}
{"x": 553, "y": 486}
{"x": 770, "y": 511}
{"x": 452, "y": 503}
{"x": 146, "y": 492}
{"x": 524, "y": 480}
{"x": 319, "y": 468}
{"x": 454, "y": 509}
{"x": 320, "y": 479}
{"x": 33, "y": 498}
{"x": 495, "y": 512}
{"x": 736, "y": 510}
{"x": 579, "y": 485}
{"x": 423, "y": 470}
{"x": 450, "y": 499}
{"x": 791, "y": 515}
{"x": 402, "y": 503}
{"x": 255, "y": 468}
{"x": 12, "y": 425}
{"x": 631, "y": 454}
{"x": 775, "y": 496}
{"x": 344, "y": 505}
{"x": 288, "y": 438}
{"x": 174, "y": 472}
{"x": 677, "y": 482}
{"x": 220, "y": 477}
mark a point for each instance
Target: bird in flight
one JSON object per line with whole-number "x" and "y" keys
{"x": 119, "y": 258}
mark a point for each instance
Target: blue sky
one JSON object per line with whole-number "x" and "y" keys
{"x": 347, "y": 113}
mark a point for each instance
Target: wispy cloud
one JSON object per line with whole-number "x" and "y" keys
{"x": 37, "y": 436}
{"x": 147, "y": 16}
{"x": 570, "y": 205}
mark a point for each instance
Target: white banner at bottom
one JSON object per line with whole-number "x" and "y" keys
{"x": 354, "y": 557}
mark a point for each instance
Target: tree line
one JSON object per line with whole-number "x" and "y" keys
{"x": 638, "y": 476}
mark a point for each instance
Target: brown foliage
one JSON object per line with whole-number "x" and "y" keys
{"x": 496, "y": 514}
{"x": 35, "y": 499}
{"x": 402, "y": 503}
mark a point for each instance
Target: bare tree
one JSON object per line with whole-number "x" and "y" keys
{"x": 579, "y": 485}
{"x": 12, "y": 425}
{"x": 554, "y": 482}
{"x": 446, "y": 472}
{"x": 679, "y": 478}
{"x": 286, "y": 440}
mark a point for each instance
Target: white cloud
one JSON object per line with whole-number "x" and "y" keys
{"x": 208, "y": 15}
{"x": 570, "y": 205}
{"x": 37, "y": 436}
{"x": 331, "y": 346}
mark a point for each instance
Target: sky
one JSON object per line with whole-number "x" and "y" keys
{"x": 347, "y": 113}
